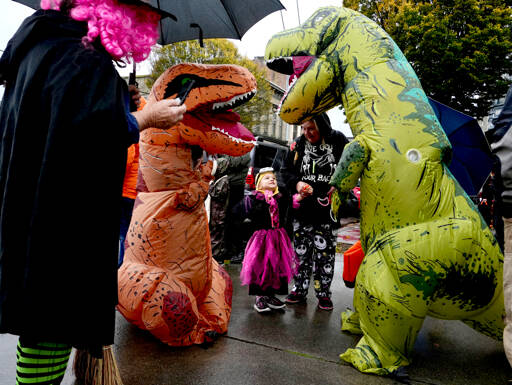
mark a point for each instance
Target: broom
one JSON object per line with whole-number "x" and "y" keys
{"x": 90, "y": 370}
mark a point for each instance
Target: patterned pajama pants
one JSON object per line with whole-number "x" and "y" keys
{"x": 314, "y": 247}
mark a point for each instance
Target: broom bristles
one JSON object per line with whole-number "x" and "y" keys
{"x": 96, "y": 371}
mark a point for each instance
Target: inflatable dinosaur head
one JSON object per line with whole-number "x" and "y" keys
{"x": 307, "y": 53}
{"x": 209, "y": 121}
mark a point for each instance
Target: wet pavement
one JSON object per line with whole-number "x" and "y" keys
{"x": 300, "y": 345}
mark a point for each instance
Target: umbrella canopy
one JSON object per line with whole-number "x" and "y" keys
{"x": 202, "y": 19}
{"x": 35, "y": 4}
{"x": 472, "y": 158}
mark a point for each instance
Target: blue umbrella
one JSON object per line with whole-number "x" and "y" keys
{"x": 472, "y": 158}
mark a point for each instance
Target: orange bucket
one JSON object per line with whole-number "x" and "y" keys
{"x": 352, "y": 259}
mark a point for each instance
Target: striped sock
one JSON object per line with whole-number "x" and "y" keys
{"x": 43, "y": 363}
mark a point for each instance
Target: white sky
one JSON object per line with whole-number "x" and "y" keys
{"x": 252, "y": 44}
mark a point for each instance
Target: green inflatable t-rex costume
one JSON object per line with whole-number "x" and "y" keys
{"x": 428, "y": 250}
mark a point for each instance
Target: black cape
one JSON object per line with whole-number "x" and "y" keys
{"x": 64, "y": 137}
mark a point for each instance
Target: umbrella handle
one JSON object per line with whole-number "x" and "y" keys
{"x": 133, "y": 82}
{"x": 195, "y": 25}
{"x": 132, "y": 79}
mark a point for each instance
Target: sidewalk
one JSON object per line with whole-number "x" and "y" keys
{"x": 298, "y": 346}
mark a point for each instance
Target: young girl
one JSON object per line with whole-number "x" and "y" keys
{"x": 269, "y": 262}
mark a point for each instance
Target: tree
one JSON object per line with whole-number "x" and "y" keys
{"x": 461, "y": 50}
{"x": 217, "y": 51}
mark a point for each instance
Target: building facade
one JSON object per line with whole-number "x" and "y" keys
{"x": 276, "y": 127}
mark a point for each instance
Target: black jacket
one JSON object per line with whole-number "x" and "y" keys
{"x": 64, "y": 132}
{"x": 314, "y": 164}
{"x": 255, "y": 208}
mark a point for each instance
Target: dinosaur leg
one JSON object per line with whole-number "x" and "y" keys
{"x": 390, "y": 312}
{"x": 449, "y": 269}
{"x": 491, "y": 321}
{"x": 154, "y": 300}
{"x": 388, "y": 338}
{"x": 216, "y": 307}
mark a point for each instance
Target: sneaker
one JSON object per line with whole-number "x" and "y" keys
{"x": 275, "y": 303}
{"x": 325, "y": 303}
{"x": 261, "y": 304}
{"x": 295, "y": 298}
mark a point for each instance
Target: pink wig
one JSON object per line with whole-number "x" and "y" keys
{"x": 126, "y": 31}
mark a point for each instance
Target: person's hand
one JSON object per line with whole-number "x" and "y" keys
{"x": 162, "y": 114}
{"x": 134, "y": 95}
{"x": 304, "y": 189}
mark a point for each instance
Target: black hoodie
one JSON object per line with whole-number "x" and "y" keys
{"x": 314, "y": 164}
{"x": 64, "y": 135}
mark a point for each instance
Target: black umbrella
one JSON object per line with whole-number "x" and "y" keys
{"x": 35, "y": 4}
{"x": 202, "y": 19}
{"x": 472, "y": 158}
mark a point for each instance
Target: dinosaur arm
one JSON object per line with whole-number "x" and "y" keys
{"x": 351, "y": 165}
{"x": 191, "y": 196}
{"x": 347, "y": 173}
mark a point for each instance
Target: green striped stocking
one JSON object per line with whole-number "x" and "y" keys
{"x": 42, "y": 363}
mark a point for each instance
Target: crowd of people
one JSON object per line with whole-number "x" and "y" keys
{"x": 66, "y": 108}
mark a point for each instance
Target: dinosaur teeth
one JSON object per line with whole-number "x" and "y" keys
{"x": 285, "y": 58}
{"x": 234, "y": 100}
{"x": 294, "y": 79}
{"x": 232, "y": 138}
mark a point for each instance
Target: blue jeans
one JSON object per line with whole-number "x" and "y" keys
{"x": 126, "y": 217}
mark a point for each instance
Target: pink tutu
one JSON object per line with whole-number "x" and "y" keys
{"x": 269, "y": 257}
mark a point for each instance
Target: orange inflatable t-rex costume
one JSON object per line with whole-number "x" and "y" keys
{"x": 169, "y": 284}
